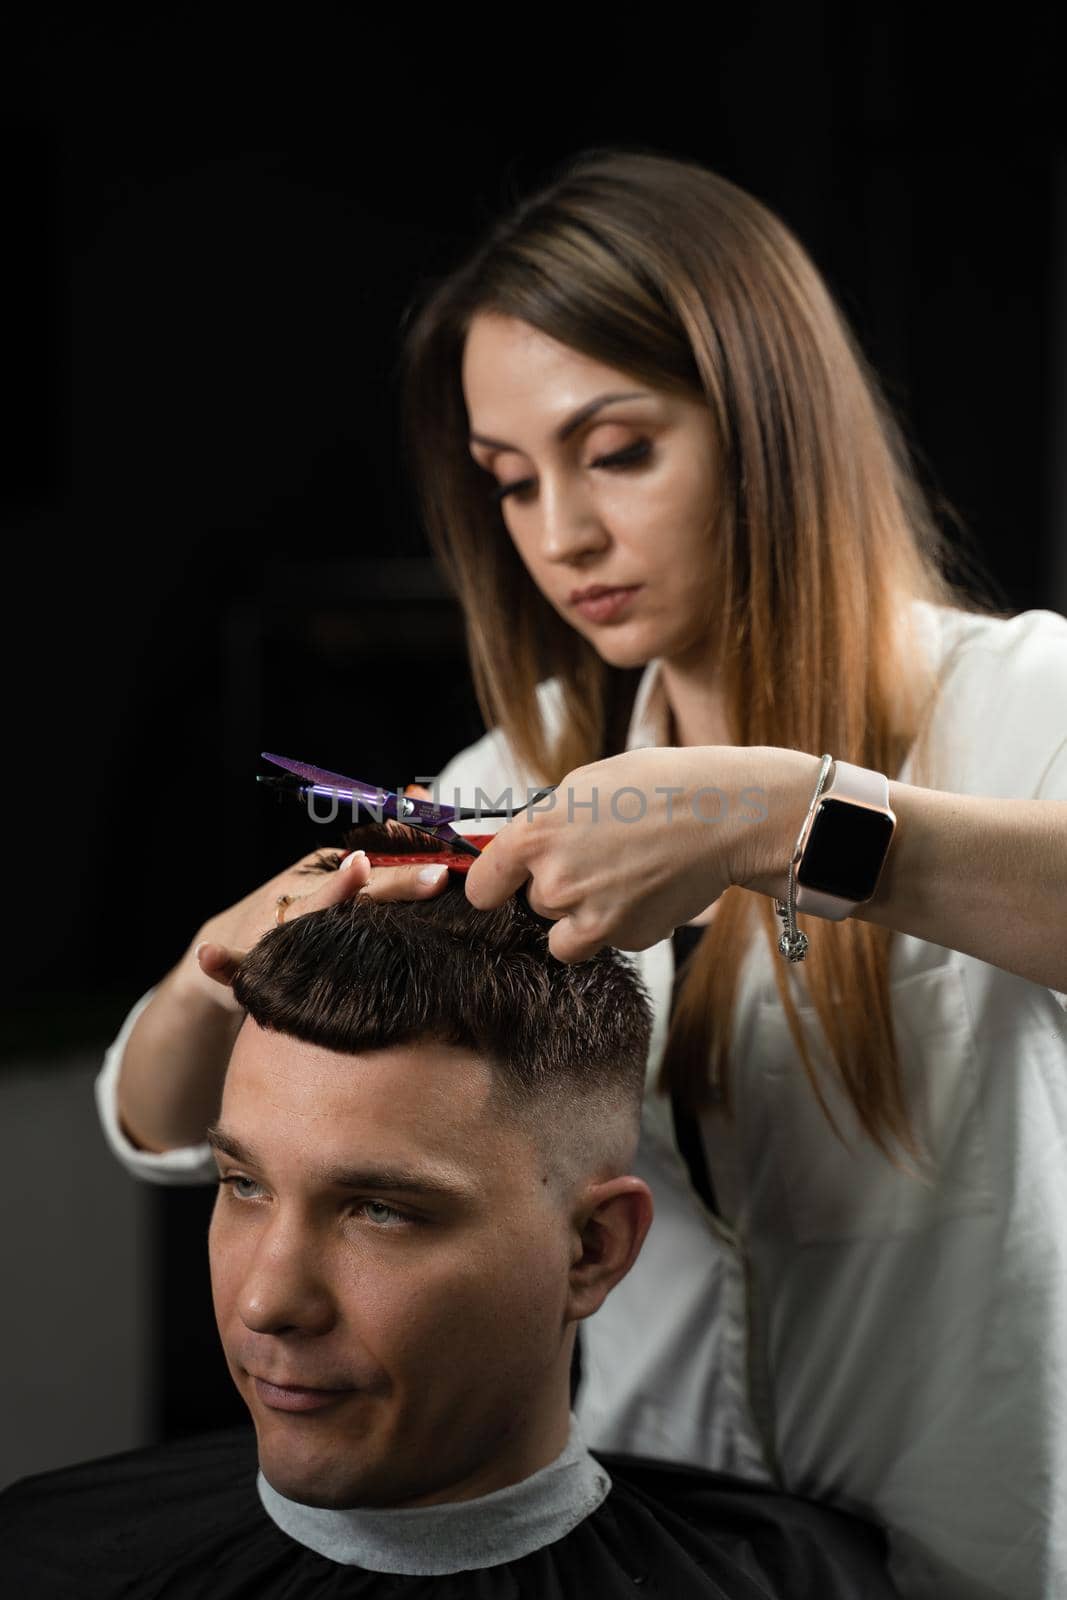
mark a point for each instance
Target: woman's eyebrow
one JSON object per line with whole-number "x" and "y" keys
{"x": 565, "y": 429}
{"x": 430, "y": 1181}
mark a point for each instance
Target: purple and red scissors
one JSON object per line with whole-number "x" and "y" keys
{"x": 432, "y": 818}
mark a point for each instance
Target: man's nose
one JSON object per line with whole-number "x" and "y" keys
{"x": 285, "y": 1286}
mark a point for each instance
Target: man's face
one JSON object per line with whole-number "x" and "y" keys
{"x": 383, "y": 1232}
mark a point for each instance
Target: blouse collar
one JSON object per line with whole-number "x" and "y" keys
{"x": 648, "y": 720}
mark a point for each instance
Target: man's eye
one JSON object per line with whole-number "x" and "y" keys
{"x": 232, "y": 1182}
{"x": 620, "y": 459}
{"x": 384, "y": 1216}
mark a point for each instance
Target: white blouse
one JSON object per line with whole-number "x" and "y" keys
{"x": 895, "y": 1344}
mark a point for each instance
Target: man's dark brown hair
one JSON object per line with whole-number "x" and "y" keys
{"x": 567, "y": 1043}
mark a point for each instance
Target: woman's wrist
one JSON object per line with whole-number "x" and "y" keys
{"x": 170, "y": 1077}
{"x": 764, "y": 847}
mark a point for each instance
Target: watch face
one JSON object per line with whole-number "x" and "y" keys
{"x": 845, "y": 850}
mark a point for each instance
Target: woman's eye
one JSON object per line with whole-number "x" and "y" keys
{"x": 502, "y": 490}
{"x": 631, "y": 456}
{"x": 624, "y": 458}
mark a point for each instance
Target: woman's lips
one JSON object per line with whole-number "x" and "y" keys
{"x": 607, "y": 605}
{"x": 286, "y": 1399}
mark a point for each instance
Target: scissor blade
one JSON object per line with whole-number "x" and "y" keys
{"x": 347, "y": 788}
{"x": 446, "y": 837}
{"x": 423, "y": 815}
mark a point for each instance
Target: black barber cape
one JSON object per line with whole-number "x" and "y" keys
{"x": 184, "y": 1521}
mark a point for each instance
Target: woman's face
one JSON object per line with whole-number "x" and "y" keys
{"x": 607, "y": 486}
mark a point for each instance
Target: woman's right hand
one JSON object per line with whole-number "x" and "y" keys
{"x": 224, "y": 940}
{"x": 171, "y": 1072}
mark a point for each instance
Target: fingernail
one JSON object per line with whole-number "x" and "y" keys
{"x": 200, "y": 946}
{"x": 432, "y": 874}
{"x": 348, "y": 860}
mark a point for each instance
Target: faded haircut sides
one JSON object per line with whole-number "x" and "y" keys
{"x": 567, "y": 1043}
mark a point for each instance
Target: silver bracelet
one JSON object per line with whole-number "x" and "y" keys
{"x": 792, "y": 943}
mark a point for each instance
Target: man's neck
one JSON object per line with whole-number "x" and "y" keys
{"x": 454, "y": 1535}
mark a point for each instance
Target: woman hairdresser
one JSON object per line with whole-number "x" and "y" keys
{"x": 704, "y": 598}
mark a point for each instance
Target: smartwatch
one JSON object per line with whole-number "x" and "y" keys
{"x": 842, "y": 850}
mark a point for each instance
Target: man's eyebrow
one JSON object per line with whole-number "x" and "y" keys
{"x": 565, "y": 429}
{"x": 412, "y": 1180}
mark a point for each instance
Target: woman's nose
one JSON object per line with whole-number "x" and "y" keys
{"x": 285, "y": 1286}
{"x": 570, "y": 526}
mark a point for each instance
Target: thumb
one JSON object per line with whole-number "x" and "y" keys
{"x": 218, "y": 961}
{"x": 566, "y": 943}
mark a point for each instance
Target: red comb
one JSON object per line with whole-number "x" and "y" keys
{"x": 455, "y": 859}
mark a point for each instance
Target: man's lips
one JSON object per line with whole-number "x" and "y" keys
{"x": 291, "y": 1383}
{"x": 295, "y": 1397}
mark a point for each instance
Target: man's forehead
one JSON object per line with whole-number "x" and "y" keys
{"x": 424, "y": 1102}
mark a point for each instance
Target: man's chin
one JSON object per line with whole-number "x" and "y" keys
{"x": 327, "y": 1479}
{"x": 302, "y": 1494}
{"x": 343, "y": 1473}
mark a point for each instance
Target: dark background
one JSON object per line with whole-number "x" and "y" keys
{"x": 212, "y": 227}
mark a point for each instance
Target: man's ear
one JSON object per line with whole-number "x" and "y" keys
{"x": 609, "y": 1224}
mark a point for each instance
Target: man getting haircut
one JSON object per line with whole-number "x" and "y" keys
{"x": 423, "y": 1145}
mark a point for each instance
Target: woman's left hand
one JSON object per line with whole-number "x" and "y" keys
{"x": 627, "y": 849}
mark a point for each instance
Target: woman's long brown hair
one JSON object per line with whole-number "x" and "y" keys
{"x": 671, "y": 274}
